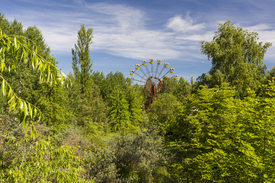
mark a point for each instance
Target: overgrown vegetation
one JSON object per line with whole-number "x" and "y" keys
{"x": 94, "y": 128}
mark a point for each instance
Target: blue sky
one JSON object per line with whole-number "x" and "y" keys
{"x": 128, "y": 31}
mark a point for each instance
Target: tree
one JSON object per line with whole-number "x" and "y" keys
{"x": 218, "y": 138}
{"x": 110, "y": 82}
{"x": 19, "y": 49}
{"x": 118, "y": 110}
{"x": 82, "y": 65}
{"x": 236, "y": 57}
{"x": 163, "y": 111}
{"x": 184, "y": 89}
{"x": 135, "y": 105}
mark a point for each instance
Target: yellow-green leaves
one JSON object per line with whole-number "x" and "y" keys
{"x": 43, "y": 162}
{"x": 3, "y": 88}
{"x": 23, "y": 108}
{"x": 25, "y": 51}
{"x": 11, "y": 47}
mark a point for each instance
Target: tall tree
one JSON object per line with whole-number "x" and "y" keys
{"x": 82, "y": 64}
{"x": 118, "y": 110}
{"x": 135, "y": 105}
{"x": 237, "y": 57}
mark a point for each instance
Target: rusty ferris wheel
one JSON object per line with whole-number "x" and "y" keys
{"x": 153, "y": 78}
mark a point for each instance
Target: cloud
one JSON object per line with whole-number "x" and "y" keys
{"x": 123, "y": 31}
{"x": 125, "y": 17}
{"x": 118, "y": 29}
{"x": 184, "y": 25}
{"x": 258, "y": 27}
{"x": 207, "y": 36}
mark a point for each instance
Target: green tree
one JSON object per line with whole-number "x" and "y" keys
{"x": 118, "y": 113}
{"x": 237, "y": 58}
{"x": 269, "y": 75}
{"x": 82, "y": 65}
{"x": 88, "y": 112}
{"x": 217, "y": 138}
{"x": 184, "y": 89}
{"x": 110, "y": 82}
{"x": 15, "y": 49}
{"x": 135, "y": 105}
{"x": 25, "y": 81}
{"x": 163, "y": 111}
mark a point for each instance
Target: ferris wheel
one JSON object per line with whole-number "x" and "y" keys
{"x": 153, "y": 77}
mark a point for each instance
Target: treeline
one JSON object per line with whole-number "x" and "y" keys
{"x": 94, "y": 128}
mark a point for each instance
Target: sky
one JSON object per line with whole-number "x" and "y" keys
{"x": 125, "y": 32}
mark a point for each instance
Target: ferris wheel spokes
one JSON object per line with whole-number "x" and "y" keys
{"x": 152, "y": 66}
{"x": 165, "y": 66}
{"x": 151, "y": 81}
{"x": 138, "y": 80}
{"x": 144, "y": 72}
{"x": 140, "y": 76}
{"x": 144, "y": 63}
{"x": 158, "y": 63}
{"x": 171, "y": 71}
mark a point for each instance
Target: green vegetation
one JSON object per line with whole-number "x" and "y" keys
{"x": 88, "y": 127}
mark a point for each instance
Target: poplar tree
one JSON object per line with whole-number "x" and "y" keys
{"x": 82, "y": 65}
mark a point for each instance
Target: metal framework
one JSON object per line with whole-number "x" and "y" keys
{"x": 153, "y": 80}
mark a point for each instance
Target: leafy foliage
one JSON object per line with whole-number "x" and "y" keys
{"x": 42, "y": 162}
{"x": 118, "y": 111}
{"x": 237, "y": 58}
{"x": 222, "y": 139}
{"x": 96, "y": 129}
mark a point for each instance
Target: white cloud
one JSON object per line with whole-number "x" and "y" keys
{"x": 119, "y": 30}
{"x": 120, "y": 15}
{"x": 183, "y": 25}
{"x": 122, "y": 31}
{"x": 258, "y": 27}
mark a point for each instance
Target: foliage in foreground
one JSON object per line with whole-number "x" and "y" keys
{"x": 217, "y": 138}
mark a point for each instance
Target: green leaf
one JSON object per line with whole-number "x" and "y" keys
{"x": 35, "y": 112}
{"x": 48, "y": 79}
{"x": 3, "y": 87}
{"x": 21, "y": 105}
{"x": 15, "y": 44}
{"x": 11, "y": 105}
{"x": 3, "y": 66}
{"x": 27, "y": 127}
{"x": 17, "y": 55}
{"x": 9, "y": 43}
{"x": 11, "y": 100}
{"x": 32, "y": 130}
{"x": 23, "y": 120}
{"x": 10, "y": 92}
{"x": 25, "y": 55}
{"x": 30, "y": 109}
{"x": 26, "y": 108}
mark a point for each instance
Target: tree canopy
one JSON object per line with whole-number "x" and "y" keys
{"x": 237, "y": 58}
